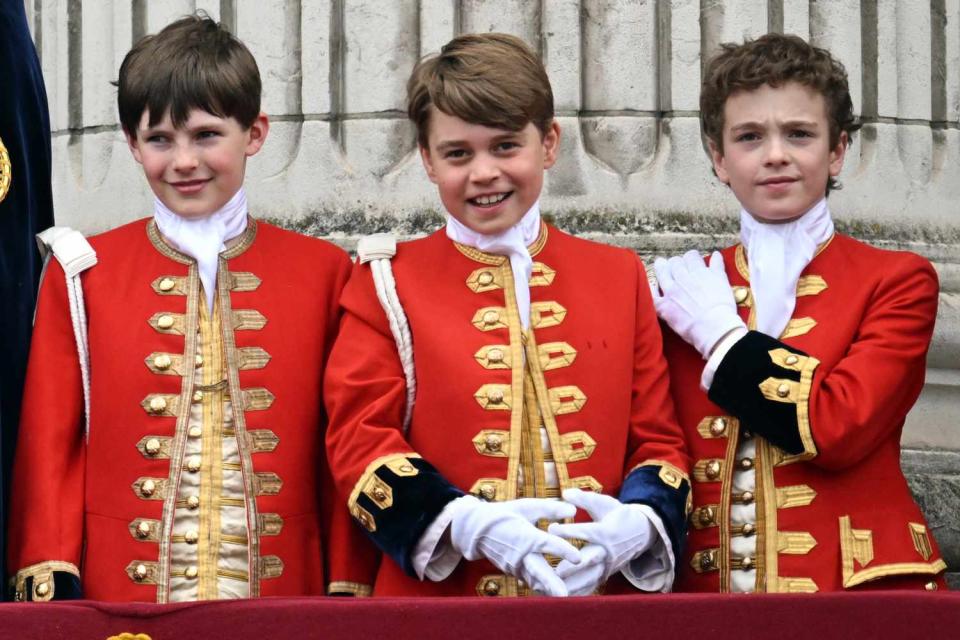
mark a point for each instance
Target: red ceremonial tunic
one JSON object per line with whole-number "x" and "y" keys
{"x": 594, "y": 380}
{"x": 103, "y": 509}
{"x": 835, "y": 511}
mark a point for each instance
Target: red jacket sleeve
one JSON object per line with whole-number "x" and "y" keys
{"x": 47, "y": 499}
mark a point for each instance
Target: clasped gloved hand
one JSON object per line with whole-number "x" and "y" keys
{"x": 505, "y": 533}
{"x": 618, "y": 534}
{"x": 697, "y": 301}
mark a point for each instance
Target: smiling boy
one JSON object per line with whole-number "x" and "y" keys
{"x": 200, "y": 471}
{"x": 815, "y": 346}
{"x": 536, "y": 363}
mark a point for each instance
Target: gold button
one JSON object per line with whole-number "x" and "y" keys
{"x": 158, "y": 404}
{"x": 365, "y": 520}
{"x": 783, "y": 390}
{"x": 485, "y": 278}
{"x": 746, "y": 497}
{"x": 713, "y": 469}
{"x": 493, "y": 443}
{"x": 495, "y": 396}
{"x": 740, "y": 294}
{"x": 193, "y": 463}
{"x": 491, "y": 587}
{"x": 42, "y": 589}
{"x": 162, "y": 362}
{"x": 930, "y": 586}
{"x": 379, "y": 494}
{"x": 197, "y": 396}
{"x": 791, "y": 360}
{"x": 746, "y": 435}
{"x": 148, "y": 488}
{"x": 491, "y": 317}
{"x": 488, "y": 491}
{"x": 167, "y": 284}
{"x": 746, "y": 563}
{"x": 718, "y": 427}
{"x": 193, "y": 502}
{"x": 746, "y": 464}
{"x": 143, "y": 529}
{"x": 140, "y": 573}
{"x": 747, "y": 529}
{"x": 406, "y": 468}
{"x": 191, "y": 572}
{"x": 670, "y": 477}
{"x": 198, "y": 360}
{"x": 706, "y": 515}
{"x": 152, "y": 447}
{"x": 495, "y": 356}
{"x": 194, "y": 431}
{"x": 191, "y": 536}
{"x": 706, "y": 560}
{"x": 165, "y": 321}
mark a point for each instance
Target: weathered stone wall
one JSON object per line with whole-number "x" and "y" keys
{"x": 341, "y": 161}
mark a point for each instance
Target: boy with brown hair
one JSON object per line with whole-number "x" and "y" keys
{"x": 814, "y": 344}
{"x": 195, "y": 471}
{"x": 499, "y": 364}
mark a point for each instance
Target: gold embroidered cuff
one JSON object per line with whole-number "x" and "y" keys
{"x": 42, "y": 589}
{"x": 343, "y": 587}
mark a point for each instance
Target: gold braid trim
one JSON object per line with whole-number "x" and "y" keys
{"x": 340, "y": 587}
{"x": 42, "y": 574}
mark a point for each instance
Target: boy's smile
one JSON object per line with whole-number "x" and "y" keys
{"x": 487, "y": 178}
{"x": 195, "y": 169}
{"x": 776, "y": 150}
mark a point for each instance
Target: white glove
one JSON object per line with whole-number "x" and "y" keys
{"x": 622, "y": 531}
{"x": 585, "y": 578}
{"x": 504, "y": 534}
{"x": 697, "y": 301}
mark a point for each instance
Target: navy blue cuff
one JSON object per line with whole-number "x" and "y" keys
{"x": 66, "y": 586}
{"x": 398, "y": 501}
{"x": 644, "y": 485}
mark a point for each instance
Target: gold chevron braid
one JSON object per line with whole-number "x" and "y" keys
{"x": 6, "y": 171}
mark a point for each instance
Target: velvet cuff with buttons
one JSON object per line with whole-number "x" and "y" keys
{"x": 646, "y": 485}
{"x": 767, "y": 384}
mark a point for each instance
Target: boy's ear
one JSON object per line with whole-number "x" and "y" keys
{"x": 838, "y": 153}
{"x": 718, "y": 164}
{"x": 134, "y": 146}
{"x": 428, "y": 163}
{"x": 257, "y": 133}
{"x": 551, "y": 144}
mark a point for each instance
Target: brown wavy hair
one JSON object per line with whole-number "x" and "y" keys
{"x": 775, "y": 59}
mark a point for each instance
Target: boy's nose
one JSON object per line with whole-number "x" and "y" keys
{"x": 484, "y": 170}
{"x": 776, "y": 151}
{"x": 185, "y": 160}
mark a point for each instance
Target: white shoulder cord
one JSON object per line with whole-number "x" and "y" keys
{"x": 378, "y": 249}
{"x": 75, "y": 255}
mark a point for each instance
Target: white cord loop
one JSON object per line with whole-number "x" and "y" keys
{"x": 75, "y": 255}
{"x": 377, "y": 250}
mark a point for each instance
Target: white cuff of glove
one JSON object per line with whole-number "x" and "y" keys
{"x": 434, "y": 557}
{"x": 654, "y": 569}
{"x": 719, "y": 353}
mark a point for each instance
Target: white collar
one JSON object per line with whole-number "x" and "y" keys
{"x": 777, "y": 254}
{"x": 203, "y": 238}
{"x": 512, "y": 243}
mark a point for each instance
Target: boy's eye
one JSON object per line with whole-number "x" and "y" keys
{"x": 455, "y": 154}
{"x": 157, "y": 139}
{"x": 506, "y": 145}
{"x": 207, "y": 134}
{"x": 801, "y": 133}
{"x": 747, "y": 137}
